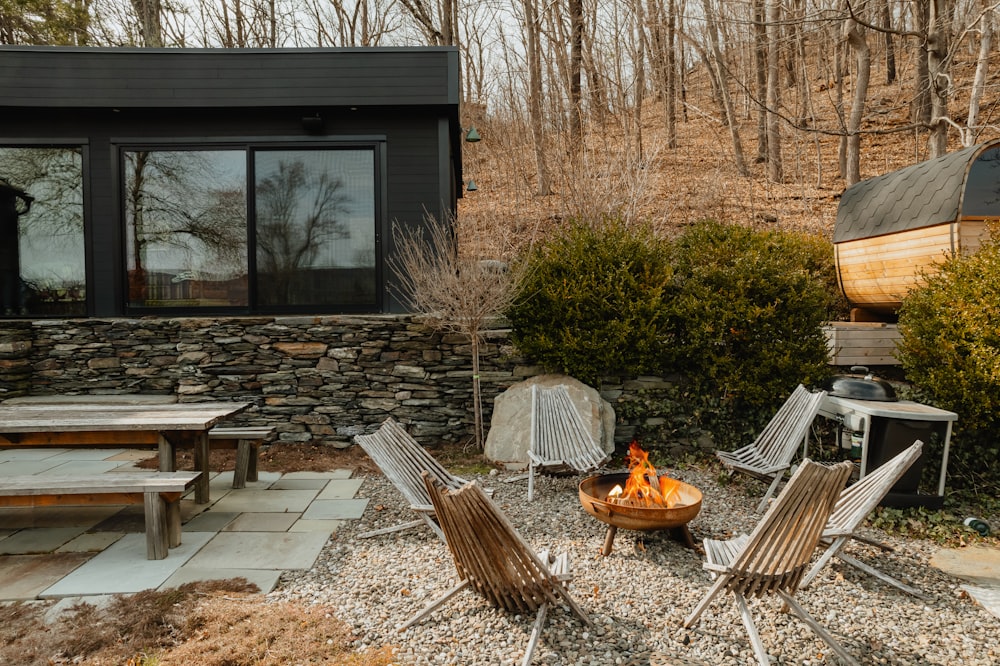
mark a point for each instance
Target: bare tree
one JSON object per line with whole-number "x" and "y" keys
{"x": 459, "y": 292}
{"x": 855, "y": 36}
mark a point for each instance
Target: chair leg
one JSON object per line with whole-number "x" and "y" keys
{"x": 531, "y": 481}
{"x": 536, "y": 633}
{"x": 816, "y": 627}
{"x": 713, "y": 591}
{"x": 434, "y": 604}
{"x": 758, "y": 645}
{"x": 837, "y": 544}
{"x": 770, "y": 491}
{"x": 884, "y": 577}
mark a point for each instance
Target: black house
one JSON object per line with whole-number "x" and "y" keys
{"x": 187, "y": 181}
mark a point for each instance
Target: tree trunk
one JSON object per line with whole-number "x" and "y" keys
{"x": 760, "y": 76}
{"x": 938, "y": 76}
{"x": 715, "y": 62}
{"x": 856, "y": 38}
{"x": 531, "y": 33}
{"x": 670, "y": 89}
{"x": 971, "y": 133}
{"x": 774, "y": 167}
{"x": 148, "y": 13}
{"x": 890, "y": 47}
{"x": 575, "y": 70}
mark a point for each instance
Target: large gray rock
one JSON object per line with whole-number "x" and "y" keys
{"x": 510, "y": 429}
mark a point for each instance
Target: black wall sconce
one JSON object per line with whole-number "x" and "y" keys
{"x": 312, "y": 124}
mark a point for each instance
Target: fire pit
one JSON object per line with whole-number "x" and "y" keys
{"x": 633, "y": 501}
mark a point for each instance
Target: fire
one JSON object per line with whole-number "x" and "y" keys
{"x": 644, "y": 486}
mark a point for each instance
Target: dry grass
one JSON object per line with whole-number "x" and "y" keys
{"x": 218, "y": 623}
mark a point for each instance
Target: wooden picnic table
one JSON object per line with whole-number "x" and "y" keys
{"x": 97, "y": 424}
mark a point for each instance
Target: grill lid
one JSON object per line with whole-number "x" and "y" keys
{"x": 861, "y": 386}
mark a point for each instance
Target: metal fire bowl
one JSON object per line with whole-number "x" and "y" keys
{"x": 595, "y": 488}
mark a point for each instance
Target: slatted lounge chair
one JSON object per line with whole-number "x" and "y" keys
{"x": 403, "y": 460}
{"x": 853, "y": 506}
{"x": 560, "y": 440}
{"x": 774, "y": 557}
{"x": 492, "y": 558}
{"x": 770, "y": 455}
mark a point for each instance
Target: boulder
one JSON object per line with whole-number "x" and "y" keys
{"x": 510, "y": 428}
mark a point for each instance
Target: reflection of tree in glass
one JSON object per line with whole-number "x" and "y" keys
{"x": 984, "y": 173}
{"x": 54, "y": 177}
{"x": 175, "y": 200}
{"x": 297, "y": 214}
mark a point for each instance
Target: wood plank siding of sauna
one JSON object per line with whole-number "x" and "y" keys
{"x": 878, "y": 272}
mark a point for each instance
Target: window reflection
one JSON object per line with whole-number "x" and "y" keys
{"x": 186, "y": 228}
{"x": 42, "y": 264}
{"x": 982, "y": 190}
{"x": 315, "y": 227}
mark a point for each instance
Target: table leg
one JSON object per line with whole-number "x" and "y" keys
{"x": 167, "y": 453}
{"x": 201, "y": 460}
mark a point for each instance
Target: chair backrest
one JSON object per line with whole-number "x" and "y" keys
{"x": 403, "y": 460}
{"x": 779, "y": 440}
{"x": 488, "y": 551}
{"x": 558, "y": 432}
{"x": 857, "y": 501}
{"x": 777, "y": 552}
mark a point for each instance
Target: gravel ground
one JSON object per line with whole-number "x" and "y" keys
{"x": 637, "y": 597}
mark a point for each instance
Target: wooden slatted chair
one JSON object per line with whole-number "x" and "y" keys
{"x": 495, "y": 561}
{"x": 853, "y": 506}
{"x": 774, "y": 557}
{"x": 403, "y": 460}
{"x": 560, "y": 440}
{"x": 770, "y": 455}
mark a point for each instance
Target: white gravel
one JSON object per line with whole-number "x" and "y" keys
{"x": 637, "y": 597}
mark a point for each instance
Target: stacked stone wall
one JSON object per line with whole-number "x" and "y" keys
{"x": 319, "y": 379}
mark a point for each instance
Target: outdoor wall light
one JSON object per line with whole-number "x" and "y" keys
{"x": 471, "y": 187}
{"x": 312, "y": 124}
{"x": 473, "y": 135}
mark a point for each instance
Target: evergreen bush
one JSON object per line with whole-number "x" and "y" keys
{"x": 950, "y": 351}
{"x": 594, "y": 301}
{"x": 751, "y": 305}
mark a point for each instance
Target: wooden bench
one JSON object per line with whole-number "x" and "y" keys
{"x": 246, "y": 441}
{"x": 159, "y": 492}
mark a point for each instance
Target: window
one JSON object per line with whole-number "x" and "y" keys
{"x": 301, "y": 237}
{"x": 982, "y": 190}
{"x": 42, "y": 260}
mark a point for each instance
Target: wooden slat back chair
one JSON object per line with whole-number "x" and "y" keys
{"x": 774, "y": 557}
{"x": 853, "y": 506}
{"x": 560, "y": 439}
{"x": 403, "y": 460}
{"x": 770, "y": 455}
{"x": 495, "y": 561}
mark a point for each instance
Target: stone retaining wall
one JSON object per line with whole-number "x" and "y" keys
{"x": 319, "y": 379}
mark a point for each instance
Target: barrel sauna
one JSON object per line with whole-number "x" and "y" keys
{"x": 892, "y": 229}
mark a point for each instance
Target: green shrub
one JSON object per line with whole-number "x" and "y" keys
{"x": 950, "y": 351}
{"x": 593, "y": 303}
{"x": 751, "y": 306}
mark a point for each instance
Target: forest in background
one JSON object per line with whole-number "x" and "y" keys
{"x": 751, "y": 111}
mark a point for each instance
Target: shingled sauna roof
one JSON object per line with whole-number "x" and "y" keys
{"x": 921, "y": 195}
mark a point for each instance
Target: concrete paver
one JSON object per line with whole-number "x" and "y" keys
{"x": 266, "y": 501}
{"x": 43, "y": 540}
{"x": 262, "y": 522}
{"x": 340, "y": 489}
{"x": 979, "y": 565}
{"x": 87, "y": 553}
{"x": 123, "y": 568}
{"x": 260, "y": 550}
{"x": 342, "y": 509}
{"x": 26, "y": 576}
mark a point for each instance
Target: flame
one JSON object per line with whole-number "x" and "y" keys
{"x": 644, "y": 486}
